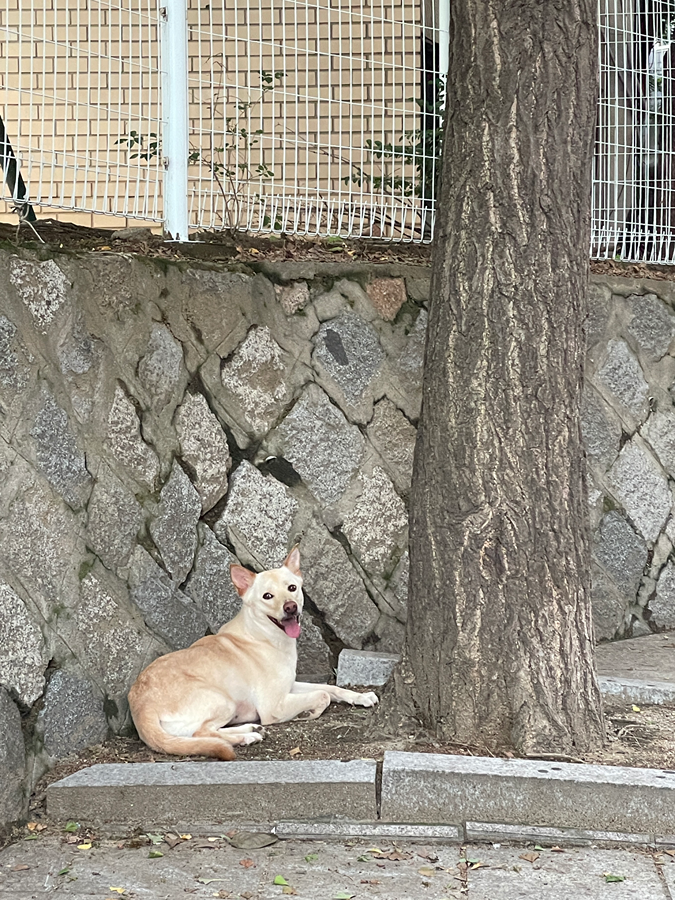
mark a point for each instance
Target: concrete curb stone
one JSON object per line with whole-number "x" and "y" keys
{"x": 151, "y": 794}
{"x": 322, "y": 831}
{"x": 633, "y": 690}
{"x": 444, "y": 789}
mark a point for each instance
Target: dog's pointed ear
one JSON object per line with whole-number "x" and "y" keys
{"x": 242, "y": 578}
{"x": 292, "y": 561}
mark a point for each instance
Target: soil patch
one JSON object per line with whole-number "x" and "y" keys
{"x": 244, "y": 247}
{"x": 215, "y": 246}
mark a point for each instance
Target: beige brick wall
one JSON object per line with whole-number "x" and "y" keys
{"x": 76, "y": 76}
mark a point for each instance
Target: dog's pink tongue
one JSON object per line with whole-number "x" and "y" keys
{"x": 292, "y": 628}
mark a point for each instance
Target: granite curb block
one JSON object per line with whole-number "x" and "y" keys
{"x": 364, "y": 667}
{"x": 632, "y": 690}
{"x": 143, "y": 795}
{"x": 326, "y": 831}
{"x": 443, "y": 789}
{"x": 423, "y": 796}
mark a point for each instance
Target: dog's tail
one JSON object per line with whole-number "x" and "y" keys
{"x": 151, "y": 732}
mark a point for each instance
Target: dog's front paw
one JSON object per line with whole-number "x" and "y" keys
{"x": 252, "y": 738}
{"x": 368, "y": 699}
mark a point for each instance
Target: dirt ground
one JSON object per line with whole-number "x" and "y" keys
{"x": 216, "y": 246}
{"x": 241, "y": 247}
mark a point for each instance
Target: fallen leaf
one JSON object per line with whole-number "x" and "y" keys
{"x": 246, "y": 895}
{"x": 172, "y": 840}
{"x": 71, "y": 826}
{"x": 395, "y": 855}
{"x": 85, "y": 846}
{"x": 537, "y": 847}
{"x": 670, "y": 852}
{"x": 251, "y": 840}
{"x": 247, "y": 863}
{"x": 155, "y": 854}
{"x": 428, "y": 871}
{"x": 64, "y": 871}
{"x": 31, "y": 837}
{"x": 296, "y": 751}
{"x": 530, "y": 856}
{"x": 155, "y": 838}
{"x": 311, "y": 857}
{"x": 118, "y": 890}
{"x": 287, "y": 889}
{"x": 343, "y": 895}
{"x": 104, "y": 247}
{"x": 609, "y": 878}
{"x": 364, "y": 858}
{"x": 279, "y": 879}
{"x": 557, "y": 850}
{"x": 31, "y": 826}
{"x": 253, "y": 251}
{"x": 636, "y": 708}
{"x": 223, "y": 895}
{"x": 427, "y": 854}
{"x": 185, "y": 837}
{"x": 212, "y": 840}
{"x": 20, "y": 868}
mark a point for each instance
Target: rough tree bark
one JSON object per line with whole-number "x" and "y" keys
{"x": 499, "y": 647}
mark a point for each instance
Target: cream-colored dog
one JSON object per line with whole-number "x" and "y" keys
{"x": 212, "y": 695}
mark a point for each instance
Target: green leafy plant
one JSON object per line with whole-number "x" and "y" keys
{"x": 419, "y": 148}
{"x": 232, "y": 164}
{"x": 142, "y": 150}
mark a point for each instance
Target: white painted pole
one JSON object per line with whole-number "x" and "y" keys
{"x": 443, "y": 45}
{"x": 173, "y": 33}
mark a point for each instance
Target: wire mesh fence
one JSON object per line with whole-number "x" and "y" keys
{"x": 308, "y": 116}
{"x": 77, "y": 76}
{"x": 633, "y": 203}
{"x": 315, "y": 117}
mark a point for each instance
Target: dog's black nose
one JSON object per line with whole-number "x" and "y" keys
{"x": 290, "y": 608}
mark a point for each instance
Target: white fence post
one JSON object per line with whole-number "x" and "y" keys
{"x": 173, "y": 36}
{"x": 443, "y": 46}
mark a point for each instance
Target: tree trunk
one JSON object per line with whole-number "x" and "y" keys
{"x": 499, "y": 646}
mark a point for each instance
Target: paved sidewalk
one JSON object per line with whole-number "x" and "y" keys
{"x": 645, "y": 658}
{"x": 316, "y": 870}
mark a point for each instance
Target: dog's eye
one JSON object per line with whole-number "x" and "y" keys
{"x": 268, "y": 596}
{"x": 292, "y": 587}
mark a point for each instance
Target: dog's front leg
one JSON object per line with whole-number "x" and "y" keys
{"x": 368, "y": 698}
{"x": 311, "y": 702}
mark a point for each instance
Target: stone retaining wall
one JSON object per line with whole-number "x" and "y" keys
{"x": 159, "y": 420}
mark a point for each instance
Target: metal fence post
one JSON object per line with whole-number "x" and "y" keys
{"x": 443, "y": 47}
{"x": 173, "y": 36}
